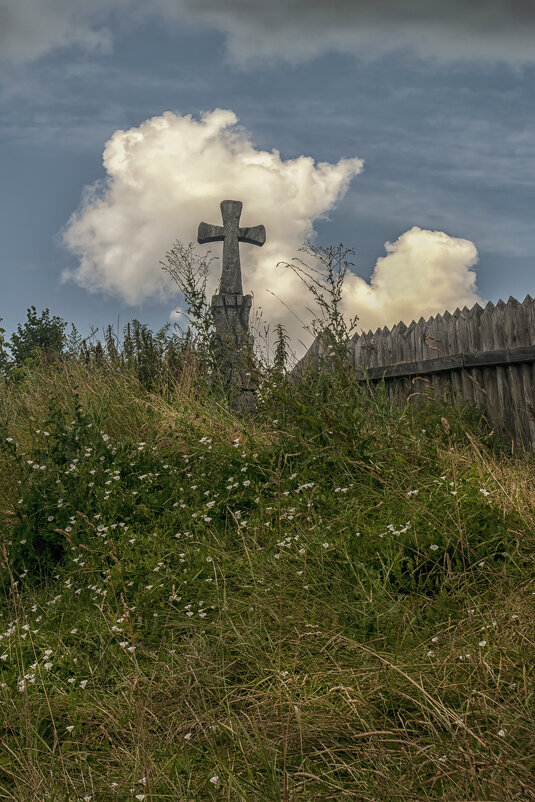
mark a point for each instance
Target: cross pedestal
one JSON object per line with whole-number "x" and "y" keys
{"x": 230, "y": 307}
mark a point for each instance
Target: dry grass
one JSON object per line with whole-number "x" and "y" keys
{"x": 314, "y": 677}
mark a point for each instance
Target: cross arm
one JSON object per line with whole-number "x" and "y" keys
{"x": 210, "y": 233}
{"x": 254, "y": 235}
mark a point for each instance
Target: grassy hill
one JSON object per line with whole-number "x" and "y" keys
{"x": 331, "y": 600}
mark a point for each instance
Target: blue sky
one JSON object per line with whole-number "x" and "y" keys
{"x": 439, "y": 106}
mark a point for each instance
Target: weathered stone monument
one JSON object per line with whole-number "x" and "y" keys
{"x": 230, "y": 307}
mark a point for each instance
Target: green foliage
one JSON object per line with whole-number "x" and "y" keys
{"x": 4, "y": 359}
{"x": 189, "y": 270}
{"x": 44, "y": 474}
{"x": 324, "y": 279}
{"x": 324, "y": 557}
{"x": 281, "y": 349}
{"x": 38, "y": 335}
{"x": 331, "y": 599}
{"x": 157, "y": 359}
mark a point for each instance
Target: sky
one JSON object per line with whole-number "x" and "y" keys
{"x": 404, "y": 130}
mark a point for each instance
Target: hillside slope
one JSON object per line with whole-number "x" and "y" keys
{"x": 332, "y": 600}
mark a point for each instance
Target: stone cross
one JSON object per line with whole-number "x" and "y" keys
{"x": 231, "y": 235}
{"x": 231, "y": 308}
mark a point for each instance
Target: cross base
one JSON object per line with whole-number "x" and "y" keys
{"x": 231, "y": 313}
{"x": 234, "y": 347}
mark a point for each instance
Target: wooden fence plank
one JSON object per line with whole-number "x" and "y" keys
{"x": 445, "y": 364}
{"x": 528, "y": 370}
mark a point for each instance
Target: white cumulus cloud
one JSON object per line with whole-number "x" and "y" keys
{"x": 423, "y": 273}
{"x": 171, "y": 172}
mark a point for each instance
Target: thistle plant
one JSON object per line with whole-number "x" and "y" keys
{"x": 324, "y": 279}
{"x": 189, "y": 270}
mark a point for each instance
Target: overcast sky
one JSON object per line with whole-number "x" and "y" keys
{"x": 404, "y": 130}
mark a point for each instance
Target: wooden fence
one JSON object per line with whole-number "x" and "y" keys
{"x": 484, "y": 356}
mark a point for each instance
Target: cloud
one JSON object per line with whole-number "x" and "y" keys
{"x": 171, "y": 172}
{"x": 423, "y": 273}
{"x": 491, "y": 30}
{"x": 449, "y": 29}
{"x": 32, "y": 28}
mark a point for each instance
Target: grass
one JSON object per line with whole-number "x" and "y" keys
{"x": 332, "y": 600}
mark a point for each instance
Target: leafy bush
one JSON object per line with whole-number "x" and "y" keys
{"x": 39, "y": 334}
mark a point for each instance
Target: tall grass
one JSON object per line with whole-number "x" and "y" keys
{"x": 333, "y": 599}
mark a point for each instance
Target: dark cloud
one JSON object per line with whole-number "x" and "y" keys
{"x": 31, "y": 28}
{"x": 439, "y": 10}
{"x": 289, "y": 29}
{"x": 448, "y": 29}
